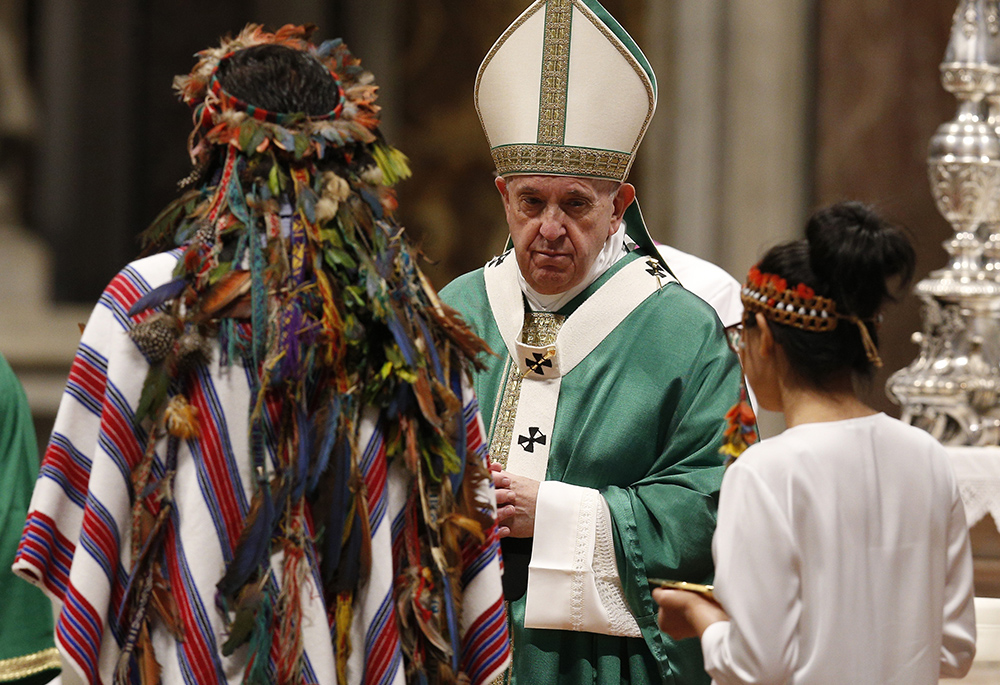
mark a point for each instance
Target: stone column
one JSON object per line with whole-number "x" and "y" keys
{"x": 728, "y": 157}
{"x": 730, "y": 143}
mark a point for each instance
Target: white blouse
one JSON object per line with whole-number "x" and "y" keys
{"x": 842, "y": 556}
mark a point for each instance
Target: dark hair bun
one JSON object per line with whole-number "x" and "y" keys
{"x": 850, "y": 255}
{"x": 279, "y": 79}
{"x": 855, "y": 253}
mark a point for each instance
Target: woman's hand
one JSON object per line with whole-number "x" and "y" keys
{"x": 516, "y": 497}
{"x": 686, "y": 614}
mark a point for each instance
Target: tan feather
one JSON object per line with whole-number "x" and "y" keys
{"x": 228, "y": 288}
{"x": 425, "y": 398}
{"x": 149, "y": 668}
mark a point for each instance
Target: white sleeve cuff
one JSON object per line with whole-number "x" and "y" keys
{"x": 712, "y": 640}
{"x": 573, "y": 581}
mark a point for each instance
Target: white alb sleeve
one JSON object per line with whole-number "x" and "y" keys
{"x": 573, "y": 581}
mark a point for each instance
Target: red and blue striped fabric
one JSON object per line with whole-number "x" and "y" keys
{"x": 76, "y": 543}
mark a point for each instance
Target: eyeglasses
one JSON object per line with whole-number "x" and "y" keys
{"x": 734, "y": 336}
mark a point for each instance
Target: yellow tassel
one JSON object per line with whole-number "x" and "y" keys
{"x": 332, "y": 324}
{"x": 869, "y": 344}
{"x": 182, "y": 418}
{"x": 344, "y": 616}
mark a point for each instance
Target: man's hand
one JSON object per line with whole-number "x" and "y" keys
{"x": 686, "y": 614}
{"x": 516, "y": 497}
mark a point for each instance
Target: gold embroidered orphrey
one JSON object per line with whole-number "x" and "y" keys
{"x": 555, "y": 72}
{"x": 540, "y": 329}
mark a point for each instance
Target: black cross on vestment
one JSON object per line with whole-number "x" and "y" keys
{"x": 498, "y": 260}
{"x": 656, "y": 269}
{"x": 536, "y": 364}
{"x": 528, "y": 441}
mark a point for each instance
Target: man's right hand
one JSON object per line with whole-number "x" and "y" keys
{"x": 516, "y": 497}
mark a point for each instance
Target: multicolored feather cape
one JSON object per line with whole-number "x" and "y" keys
{"x": 293, "y": 261}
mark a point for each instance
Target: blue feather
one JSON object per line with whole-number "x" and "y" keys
{"x": 307, "y": 203}
{"x": 401, "y": 402}
{"x": 373, "y": 202}
{"x": 326, "y": 447}
{"x": 134, "y": 676}
{"x": 449, "y": 608}
{"x": 333, "y": 136}
{"x": 333, "y": 538}
{"x": 460, "y": 438}
{"x": 284, "y": 137}
{"x": 432, "y": 349}
{"x": 158, "y": 295}
{"x": 350, "y": 562}
{"x": 253, "y": 550}
{"x": 327, "y": 47}
{"x": 401, "y": 338}
{"x": 306, "y": 432}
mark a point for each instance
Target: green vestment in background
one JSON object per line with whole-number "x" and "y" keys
{"x": 27, "y": 650}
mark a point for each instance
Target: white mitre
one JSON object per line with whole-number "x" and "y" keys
{"x": 565, "y": 91}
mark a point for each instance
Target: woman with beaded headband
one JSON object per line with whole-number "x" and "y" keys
{"x": 268, "y": 466}
{"x": 842, "y": 552}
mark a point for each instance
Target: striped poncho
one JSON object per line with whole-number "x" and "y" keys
{"x": 76, "y": 544}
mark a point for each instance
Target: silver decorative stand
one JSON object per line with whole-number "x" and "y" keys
{"x": 952, "y": 388}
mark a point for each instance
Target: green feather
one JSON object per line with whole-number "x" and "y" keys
{"x": 162, "y": 230}
{"x": 243, "y": 623}
{"x": 339, "y": 258}
{"x": 154, "y": 392}
{"x": 276, "y": 181}
{"x": 392, "y": 162}
{"x": 251, "y": 135}
{"x": 302, "y": 144}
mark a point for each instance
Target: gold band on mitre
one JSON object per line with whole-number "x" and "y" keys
{"x": 561, "y": 160}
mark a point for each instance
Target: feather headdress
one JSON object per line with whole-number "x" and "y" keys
{"x": 291, "y": 260}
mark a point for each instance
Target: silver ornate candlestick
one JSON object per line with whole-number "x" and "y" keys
{"x": 952, "y": 389}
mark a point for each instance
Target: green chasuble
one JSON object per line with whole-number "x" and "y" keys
{"x": 624, "y": 391}
{"x": 27, "y": 650}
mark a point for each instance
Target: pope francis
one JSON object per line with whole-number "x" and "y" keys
{"x": 606, "y": 404}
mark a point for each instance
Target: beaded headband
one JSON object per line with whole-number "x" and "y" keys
{"x": 799, "y": 307}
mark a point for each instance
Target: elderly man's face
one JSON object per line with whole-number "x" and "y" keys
{"x": 559, "y": 224}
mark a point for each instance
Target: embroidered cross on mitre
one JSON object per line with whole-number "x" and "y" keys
{"x": 534, "y": 436}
